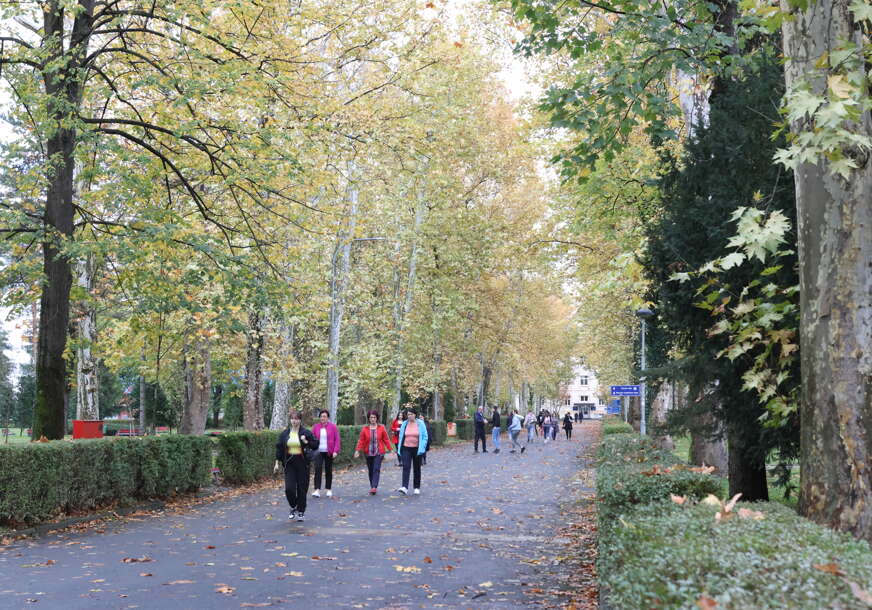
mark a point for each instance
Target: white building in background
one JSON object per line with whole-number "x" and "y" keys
{"x": 579, "y": 395}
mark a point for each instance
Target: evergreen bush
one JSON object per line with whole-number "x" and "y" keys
{"x": 656, "y": 553}
{"x": 40, "y": 480}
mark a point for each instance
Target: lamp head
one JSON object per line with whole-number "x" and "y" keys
{"x": 644, "y": 313}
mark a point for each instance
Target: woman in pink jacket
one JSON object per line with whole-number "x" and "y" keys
{"x": 329, "y": 446}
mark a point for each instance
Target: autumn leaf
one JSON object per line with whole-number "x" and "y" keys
{"x": 136, "y": 560}
{"x": 706, "y": 603}
{"x": 829, "y": 568}
{"x": 407, "y": 569}
{"x": 678, "y": 499}
{"x": 225, "y": 589}
{"x": 747, "y": 513}
{"x": 427, "y": 560}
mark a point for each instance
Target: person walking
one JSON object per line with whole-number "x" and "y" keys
{"x": 413, "y": 443}
{"x": 374, "y": 442}
{"x": 479, "y": 421}
{"x": 555, "y": 423}
{"x": 294, "y": 450}
{"x": 530, "y": 424}
{"x": 429, "y": 438}
{"x": 567, "y": 426}
{"x": 546, "y": 425}
{"x": 495, "y": 431}
{"x": 395, "y": 433}
{"x": 514, "y": 426}
{"x": 329, "y": 446}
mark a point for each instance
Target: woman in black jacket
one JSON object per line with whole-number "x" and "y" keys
{"x": 294, "y": 450}
{"x": 567, "y": 426}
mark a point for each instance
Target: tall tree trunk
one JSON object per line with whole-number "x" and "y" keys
{"x": 834, "y": 218}
{"x": 660, "y": 406}
{"x": 402, "y": 307}
{"x": 337, "y": 294}
{"x": 707, "y": 446}
{"x": 87, "y": 373}
{"x": 198, "y": 388}
{"x": 284, "y": 383}
{"x": 62, "y": 81}
{"x": 747, "y": 468}
{"x": 437, "y": 395}
{"x": 252, "y": 406}
{"x": 454, "y": 391}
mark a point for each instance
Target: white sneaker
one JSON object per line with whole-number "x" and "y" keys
{"x": 417, "y": 492}
{"x": 329, "y": 493}
{"x": 292, "y": 515}
{"x": 316, "y": 493}
{"x": 300, "y": 517}
{"x": 403, "y": 491}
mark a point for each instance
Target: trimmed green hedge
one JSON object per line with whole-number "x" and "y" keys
{"x": 632, "y": 470}
{"x": 654, "y": 553}
{"x": 40, "y": 480}
{"x": 616, "y": 427}
{"x": 438, "y": 433}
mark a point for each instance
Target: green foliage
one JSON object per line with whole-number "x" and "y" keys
{"x": 662, "y": 555}
{"x": 25, "y": 398}
{"x": 465, "y": 429}
{"x": 438, "y": 432}
{"x": 244, "y": 457}
{"x": 39, "y": 480}
{"x": 632, "y": 470}
{"x": 763, "y": 326}
{"x": 616, "y": 427}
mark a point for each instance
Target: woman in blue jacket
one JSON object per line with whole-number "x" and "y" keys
{"x": 412, "y": 446}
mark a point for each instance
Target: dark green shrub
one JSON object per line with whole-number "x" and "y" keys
{"x": 465, "y": 429}
{"x": 632, "y": 470}
{"x": 438, "y": 433}
{"x": 616, "y": 427}
{"x": 244, "y": 457}
{"x": 667, "y": 556}
{"x": 42, "y": 479}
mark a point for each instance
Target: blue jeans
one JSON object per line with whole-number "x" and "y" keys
{"x": 531, "y": 429}
{"x": 495, "y": 437}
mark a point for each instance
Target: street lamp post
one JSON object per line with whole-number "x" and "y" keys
{"x": 643, "y": 314}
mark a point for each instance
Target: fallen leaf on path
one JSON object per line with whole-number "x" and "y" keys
{"x": 298, "y": 574}
{"x": 146, "y": 574}
{"x": 486, "y": 583}
{"x": 319, "y": 558}
{"x": 427, "y": 560}
{"x": 225, "y": 589}
{"x": 411, "y": 569}
{"x": 136, "y": 560}
{"x": 180, "y": 582}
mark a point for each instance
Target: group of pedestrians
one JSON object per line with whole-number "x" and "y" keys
{"x": 297, "y": 447}
{"x": 546, "y": 424}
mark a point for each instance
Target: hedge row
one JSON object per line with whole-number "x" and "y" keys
{"x": 41, "y": 479}
{"x": 244, "y": 457}
{"x": 616, "y": 426}
{"x": 654, "y": 553}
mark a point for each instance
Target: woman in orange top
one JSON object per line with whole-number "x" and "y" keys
{"x": 374, "y": 443}
{"x": 395, "y": 432}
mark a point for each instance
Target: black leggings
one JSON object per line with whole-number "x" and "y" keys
{"x": 297, "y": 482}
{"x": 568, "y": 433}
{"x": 326, "y": 460}
{"x": 411, "y": 461}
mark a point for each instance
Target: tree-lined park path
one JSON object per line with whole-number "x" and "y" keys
{"x": 487, "y": 531}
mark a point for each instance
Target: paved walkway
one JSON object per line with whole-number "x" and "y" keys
{"x": 477, "y": 536}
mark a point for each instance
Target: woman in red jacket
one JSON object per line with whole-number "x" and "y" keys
{"x": 395, "y": 432}
{"x": 374, "y": 443}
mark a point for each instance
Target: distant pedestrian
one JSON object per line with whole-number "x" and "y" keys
{"x": 546, "y": 425}
{"x": 375, "y": 444}
{"x": 294, "y": 450}
{"x": 555, "y": 423}
{"x": 530, "y": 424}
{"x": 413, "y": 443}
{"x": 429, "y": 438}
{"x": 479, "y": 421}
{"x": 329, "y": 446}
{"x": 395, "y": 433}
{"x": 515, "y": 425}
{"x": 495, "y": 432}
{"x": 567, "y": 426}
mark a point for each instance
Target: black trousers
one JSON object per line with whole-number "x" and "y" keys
{"x": 373, "y": 465}
{"x": 568, "y": 433}
{"x": 297, "y": 482}
{"x": 479, "y": 434}
{"x": 324, "y": 461}
{"x": 411, "y": 461}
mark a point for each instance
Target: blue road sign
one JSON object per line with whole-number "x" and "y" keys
{"x": 626, "y": 390}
